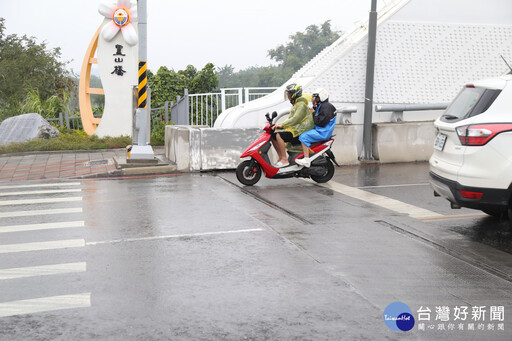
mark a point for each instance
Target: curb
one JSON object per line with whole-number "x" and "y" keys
{"x": 72, "y": 151}
{"x": 62, "y": 152}
{"x": 155, "y": 170}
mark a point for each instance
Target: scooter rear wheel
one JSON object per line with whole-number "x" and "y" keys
{"x": 248, "y": 172}
{"x": 328, "y": 173}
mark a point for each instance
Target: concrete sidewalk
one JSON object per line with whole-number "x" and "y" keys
{"x": 73, "y": 164}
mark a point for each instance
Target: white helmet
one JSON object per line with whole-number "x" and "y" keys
{"x": 322, "y": 94}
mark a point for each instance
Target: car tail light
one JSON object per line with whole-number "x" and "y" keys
{"x": 480, "y": 134}
{"x": 471, "y": 195}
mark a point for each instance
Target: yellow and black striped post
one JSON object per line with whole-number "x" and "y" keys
{"x": 143, "y": 85}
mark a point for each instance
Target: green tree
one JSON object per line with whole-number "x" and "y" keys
{"x": 255, "y": 76}
{"x": 304, "y": 46}
{"x": 225, "y": 75}
{"x": 167, "y": 84}
{"x": 27, "y": 67}
{"x": 205, "y": 80}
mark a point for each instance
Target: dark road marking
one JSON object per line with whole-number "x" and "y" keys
{"x": 269, "y": 203}
{"x": 454, "y": 253}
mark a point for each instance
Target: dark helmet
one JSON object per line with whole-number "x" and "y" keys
{"x": 295, "y": 90}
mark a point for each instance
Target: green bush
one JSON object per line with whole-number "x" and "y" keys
{"x": 68, "y": 140}
{"x": 158, "y": 135}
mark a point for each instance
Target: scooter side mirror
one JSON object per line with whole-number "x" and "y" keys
{"x": 267, "y": 115}
{"x": 274, "y": 115}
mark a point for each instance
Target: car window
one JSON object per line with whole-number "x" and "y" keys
{"x": 485, "y": 102}
{"x": 470, "y": 102}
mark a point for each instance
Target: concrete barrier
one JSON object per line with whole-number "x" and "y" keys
{"x": 344, "y": 147}
{"x": 221, "y": 147}
{"x": 403, "y": 142}
{"x": 200, "y": 148}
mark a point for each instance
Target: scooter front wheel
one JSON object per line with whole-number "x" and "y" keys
{"x": 248, "y": 172}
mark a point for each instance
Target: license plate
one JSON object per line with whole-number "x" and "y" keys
{"x": 440, "y": 141}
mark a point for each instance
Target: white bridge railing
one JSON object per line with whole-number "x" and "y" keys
{"x": 204, "y": 108}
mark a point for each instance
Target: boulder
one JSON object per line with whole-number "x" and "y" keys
{"x": 26, "y": 127}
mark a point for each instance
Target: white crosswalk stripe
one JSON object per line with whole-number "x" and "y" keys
{"x": 45, "y": 304}
{"x": 53, "y": 191}
{"x": 43, "y": 226}
{"x": 58, "y": 184}
{"x": 38, "y": 201}
{"x": 39, "y": 212}
{"x": 18, "y": 229}
{"x": 42, "y": 246}
{"x": 42, "y": 270}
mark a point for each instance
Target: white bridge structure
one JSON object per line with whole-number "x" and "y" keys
{"x": 426, "y": 50}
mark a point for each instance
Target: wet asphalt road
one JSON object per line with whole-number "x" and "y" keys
{"x": 199, "y": 257}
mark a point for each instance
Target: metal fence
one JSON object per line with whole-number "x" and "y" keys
{"x": 203, "y": 109}
{"x": 193, "y": 109}
{"x": 65, "y": 120}
{"x": 159, "y": 115}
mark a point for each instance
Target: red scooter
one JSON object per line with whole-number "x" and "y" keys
{"x": 249, "y": 171}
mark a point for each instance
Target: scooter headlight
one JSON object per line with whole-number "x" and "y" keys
{"x": 257, "y": 146}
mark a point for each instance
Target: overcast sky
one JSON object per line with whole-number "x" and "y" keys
{"x": 224, "y": 32}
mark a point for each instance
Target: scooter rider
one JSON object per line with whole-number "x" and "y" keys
{"x": 324, "y": 116}
{"x": 299, "y": 121}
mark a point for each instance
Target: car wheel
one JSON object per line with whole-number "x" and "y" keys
{"x": 509, "y": 211}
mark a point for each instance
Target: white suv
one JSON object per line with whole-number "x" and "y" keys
{"x": 472, "y": 161}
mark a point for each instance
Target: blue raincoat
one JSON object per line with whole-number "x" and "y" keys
{"x": 318, "y": 134}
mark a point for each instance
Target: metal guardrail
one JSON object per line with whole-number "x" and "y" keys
{"x": 177, "y": 113}
{"x": 203, "y": 109}
{"x": 398, "y": 109}
{"x": 70, "y": 122}
{"x": 346, "y": 114}
{"x": 159, "y": 115}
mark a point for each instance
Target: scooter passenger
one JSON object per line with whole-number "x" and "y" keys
{"x": 299, "y": 121}
{"x": 324, "y": 116}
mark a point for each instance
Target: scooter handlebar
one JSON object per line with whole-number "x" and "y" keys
{"x": 270, "y": 119}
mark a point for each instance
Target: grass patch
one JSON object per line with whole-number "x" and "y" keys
{"x": 68, "y": 140}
